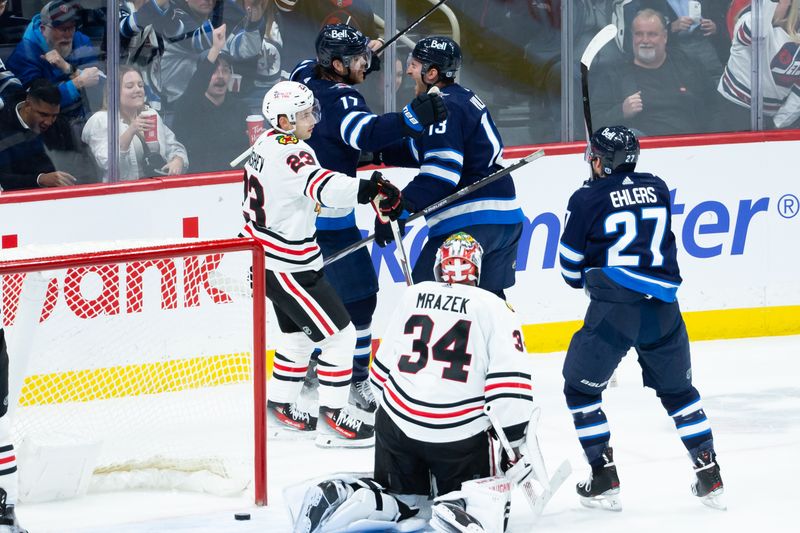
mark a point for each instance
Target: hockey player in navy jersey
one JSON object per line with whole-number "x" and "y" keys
{"x": 284, "y": 186}
{"x": 344, "y": 57}
{"x": 618, "y": 245}
{"x": 451, "y": 155}
{"x": 450, "y": 349}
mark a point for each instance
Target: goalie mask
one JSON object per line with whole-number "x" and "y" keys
{"x": 291, "y": 99}
{"x": 458, "y": 260}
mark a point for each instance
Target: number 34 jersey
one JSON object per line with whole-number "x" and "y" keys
{"x": 283, "y": 189}
{"x": 622, "y": 224}
{"x": 447, "y": 351}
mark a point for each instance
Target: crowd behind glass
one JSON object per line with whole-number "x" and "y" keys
{"x": 190, "y": 74}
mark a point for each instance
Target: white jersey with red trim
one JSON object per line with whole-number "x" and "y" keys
{"x": 284, "y": 187}
{"x": 447, "y": 351}
{"x": 781, "y": 84}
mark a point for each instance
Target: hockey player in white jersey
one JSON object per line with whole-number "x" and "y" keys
{"x": 449, "y": 349}
{"x": 284, "y": 187}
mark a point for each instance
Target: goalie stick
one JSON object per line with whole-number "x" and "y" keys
{"x": 550, "y": 485}
{"x": 444, "y": 202}
{"x": 592, "y": 49}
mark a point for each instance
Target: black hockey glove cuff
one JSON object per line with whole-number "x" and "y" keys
{"x": 424, "y": 110}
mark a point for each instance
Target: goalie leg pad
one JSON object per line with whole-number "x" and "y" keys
{"x": 338, "y": 505}
{"x": 488, "y": 505}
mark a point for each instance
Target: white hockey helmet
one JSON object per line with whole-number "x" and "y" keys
{"x": 458, "y": 260}
{"x": 288, "y": 98}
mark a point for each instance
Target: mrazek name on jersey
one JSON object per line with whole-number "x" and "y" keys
{"x": 637, "y": 195}
{"x": 456, "y": 304}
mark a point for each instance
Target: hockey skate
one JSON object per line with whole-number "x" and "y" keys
{"x": 361, "y": 396}
{"x": 340, "y": 429}
{"x": 290, "y": 417}
{"x": 318, "y": 504}
{"x": 8, "y": 519}
{"x": 708, "y": 485}
{"x": 601, "y": 491}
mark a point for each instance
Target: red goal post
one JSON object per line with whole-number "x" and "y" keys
{"x": 144, "y": 257}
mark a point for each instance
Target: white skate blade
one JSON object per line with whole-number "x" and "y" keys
{"x": 716, "y": 500}
{"x": 325, "y": 440}
{"x": 608, "y": 501}
{"x": 288, "y": 434}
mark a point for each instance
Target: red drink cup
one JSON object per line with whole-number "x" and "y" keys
{"x": 255, "y": 127}
{"x": 151, "y": 133}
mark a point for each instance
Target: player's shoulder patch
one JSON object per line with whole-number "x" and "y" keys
{"x": 286, "y": 139}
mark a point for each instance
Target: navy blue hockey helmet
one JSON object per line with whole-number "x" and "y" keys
{"x": 616, "y": 147}
{"x": 440, "y": 52}
{"x": 342, "y": 42}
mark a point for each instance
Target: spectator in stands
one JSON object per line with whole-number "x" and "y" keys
{"x": 53, "y": 48}
{"x": 780, "y": 84}
{"x": 210, "y": 121}
{"x": 24, "y": 163}
{"x": 696, "y": 28}
{"x": 655, "y": 92}
{"x": 10, "y": 86}
{"x": 199, "y": 18}
{"x": 143, "y": 27}
{"x": 265, "y": 69}
{"x": 137, "y": 158}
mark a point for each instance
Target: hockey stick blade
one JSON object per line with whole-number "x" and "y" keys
{"x": 600, "y": 39}
{"x": 442, "y": 203}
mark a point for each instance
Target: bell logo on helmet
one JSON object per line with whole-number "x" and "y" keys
{"x": 339, "y": 34}
{"x": 438, "y": 45}
{"x": 607, "y": 133}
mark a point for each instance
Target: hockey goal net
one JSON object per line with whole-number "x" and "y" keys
{"x": 145, "y": 356}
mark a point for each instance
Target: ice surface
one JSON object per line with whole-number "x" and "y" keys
{"x": 751, "y": 393}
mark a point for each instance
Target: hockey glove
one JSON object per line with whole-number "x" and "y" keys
{"x": 383, "y": 232}
{"x": 385, "y": 197}
{"x": 518, "y": 471}
{"x": 424, "y": 110}
{"x": 374, "y": 66}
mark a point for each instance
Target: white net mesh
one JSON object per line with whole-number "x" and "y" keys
{"x": 151, "y": 359}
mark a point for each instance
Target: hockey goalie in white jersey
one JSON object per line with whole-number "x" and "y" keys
{"x": 284, "y": 187}
{"x": 449, "y": 349}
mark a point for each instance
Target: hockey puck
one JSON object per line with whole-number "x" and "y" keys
{"x": 242, "y": 516}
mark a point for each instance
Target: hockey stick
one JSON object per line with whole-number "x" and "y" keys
{"x": 444, "y": 202}
{"x": 409, "y": 27}
{"x": 401, "y": 252}
{"x": 550, "y": 485}
{"x": 595, "y": 45}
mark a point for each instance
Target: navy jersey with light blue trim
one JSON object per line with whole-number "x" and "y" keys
{"x": 622, "y": 225}
{"x": 347, "y": 126}
{"x": 452, "y": 155}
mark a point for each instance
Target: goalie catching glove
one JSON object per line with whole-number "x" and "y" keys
{"x": 386, "y": 199}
